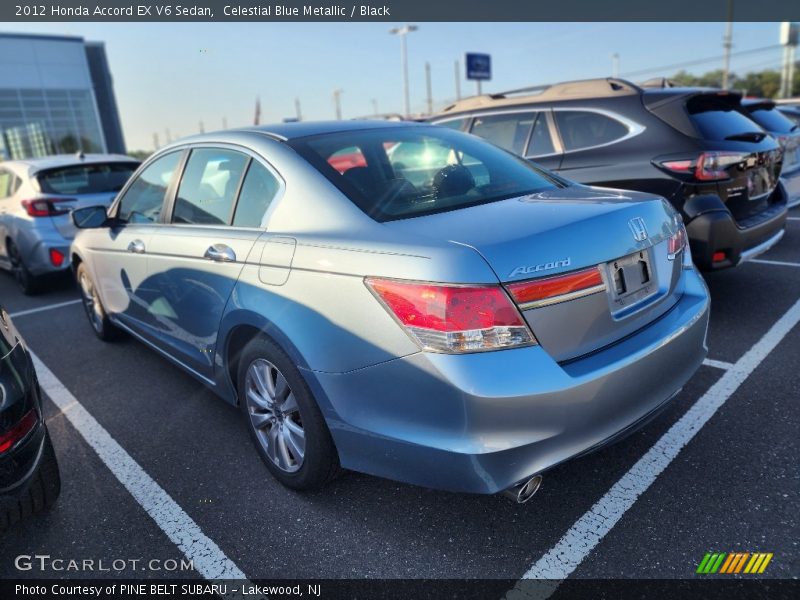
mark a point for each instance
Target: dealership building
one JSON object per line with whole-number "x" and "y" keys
{"x": 56, "y": 97}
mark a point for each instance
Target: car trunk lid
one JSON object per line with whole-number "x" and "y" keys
{"x": 622, "y": 235}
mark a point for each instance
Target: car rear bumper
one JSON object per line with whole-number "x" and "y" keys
{"x": 791, "y": 183}
{"x": 18, "y": 464}
{"x": 35, "y": 246}
{"x": 717, "y": 231}
{"x": 484, "y": 422}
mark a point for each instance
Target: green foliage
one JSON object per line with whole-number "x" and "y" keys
{"x": 763, "y": 84}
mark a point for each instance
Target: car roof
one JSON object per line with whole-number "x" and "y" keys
{"x": 584, "y": 89}
{"x": 41, "y": 163}
{"x": 289, "y": 131}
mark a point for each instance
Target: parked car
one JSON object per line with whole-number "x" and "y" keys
{"x": 465, "y": 326}
{"x": 36, "y": 196}
{"x": 789, "y": 107}
{"x": 691, "y": 146}
{"x": 29, "y": 477}
{"x": 787, "y": 132}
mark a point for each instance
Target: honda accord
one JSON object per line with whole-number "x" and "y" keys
{"x": 440, "y": 312}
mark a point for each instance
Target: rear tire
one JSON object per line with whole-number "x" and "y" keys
{"x": 27, "y": 282}
{"x": 283, "y": 418}
{"x": 38, "y": 495}
{"x": 102, "y": 326}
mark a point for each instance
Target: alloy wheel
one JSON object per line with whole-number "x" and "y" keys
{"x": 275, "y": 415}
{"x": 91, "y": 302}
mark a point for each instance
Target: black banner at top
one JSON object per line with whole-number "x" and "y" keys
{"x": 399, "y": 10}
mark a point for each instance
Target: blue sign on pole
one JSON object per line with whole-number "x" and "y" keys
{"x": 479, "y": 66}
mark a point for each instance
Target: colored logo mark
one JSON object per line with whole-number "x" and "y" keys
{"x": 734, "y": 562}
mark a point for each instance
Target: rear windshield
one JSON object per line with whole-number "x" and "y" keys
{"x": 718, "y": 119}
{"x": 772, "y": 120}
{"x": 398, "y": 173}
{"x": 94, "y": 178}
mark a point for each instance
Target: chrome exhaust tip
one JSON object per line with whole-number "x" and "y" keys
{"x": 522, "y": 492}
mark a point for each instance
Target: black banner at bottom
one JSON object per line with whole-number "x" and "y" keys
{"x": 405, "y": 589}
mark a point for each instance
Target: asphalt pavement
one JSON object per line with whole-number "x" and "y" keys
{"x": 735, "y": 486}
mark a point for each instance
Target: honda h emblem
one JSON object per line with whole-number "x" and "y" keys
{"x": 638, "y": 229}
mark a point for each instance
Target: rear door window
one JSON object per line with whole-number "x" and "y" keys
{"x": 458, "y": 124}
{"x": 208, "y": 187}
{"x": 541, "y": 143}
{"x": 509, "y": 131}
{"x": 259, "y": 189}
{"x": 583, "y": 129}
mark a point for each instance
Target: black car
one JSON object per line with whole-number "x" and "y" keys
{"x": 29, "y": 477}
{"x": 692, "y": 146}
{"x": 787, "y": 132}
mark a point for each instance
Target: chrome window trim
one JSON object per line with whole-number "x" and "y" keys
{"x": 633, "y": 127}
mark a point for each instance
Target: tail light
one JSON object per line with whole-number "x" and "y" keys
{"x": 46, "y": 207}
{"x": 709, "y": 166}
{"x": 23, "y": 427}
{"x": 676, "y": 242}
{"x": 453, "y": 318}
{"x": 552, "y": 290}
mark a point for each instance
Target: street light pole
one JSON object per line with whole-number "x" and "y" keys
{"x": 727, "y": 44}
{"x": 337, "y": 100}
{"x": 403, "y": 32}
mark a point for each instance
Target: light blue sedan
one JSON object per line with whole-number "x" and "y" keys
{"x": 399, "y": 299}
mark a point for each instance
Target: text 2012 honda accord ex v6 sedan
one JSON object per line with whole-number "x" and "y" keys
{"x": 439, "y": 312}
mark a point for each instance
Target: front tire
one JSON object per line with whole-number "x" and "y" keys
{"x": 101, "y": 325}
{"x": 283, "y": 418}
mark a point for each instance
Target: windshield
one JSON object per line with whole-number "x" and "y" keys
{"x": 398, "y": 173}
{"x": 94, "y": 178}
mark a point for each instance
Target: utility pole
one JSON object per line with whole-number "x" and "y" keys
{"x": 428, "y": 87}
{"x": 790, "y": 32}
{"x": 375, "y": 107}
{"x": 297, "y": 111}
{"x": 156, "y": 144}
{"x": 458, "y": 81}
{"x": 202, "y": 129}
{"x": 403, "y": 32}
{"x": 615, "y": 65}
{"x": 727, "y": 44}
{"x": 168, "y": 136}
{"x": 337, "y": 101}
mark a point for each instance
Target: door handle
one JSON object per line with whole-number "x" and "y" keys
{"x": 136, "y": 246}
{"x": 220, "y": 253}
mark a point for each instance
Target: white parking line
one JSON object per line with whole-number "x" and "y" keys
{"x": 31, "y": 311}
{"x": 577, "y": 543}
{"x": 207, "y": 558}
{"x": 780, "y": 263}
{"x": 718, "y": 364}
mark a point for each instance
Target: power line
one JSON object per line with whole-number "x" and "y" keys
{"x": 698, "y": 61}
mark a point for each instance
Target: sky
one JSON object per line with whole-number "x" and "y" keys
{"x": 174, "y": 75}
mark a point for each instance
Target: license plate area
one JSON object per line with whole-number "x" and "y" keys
{"x": 630, "y": 280}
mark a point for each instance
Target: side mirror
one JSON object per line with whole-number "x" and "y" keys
{"x": 90, "y": 217}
